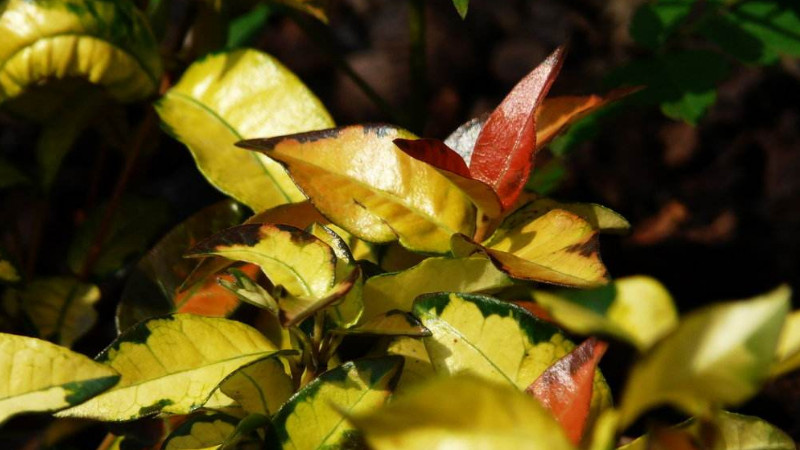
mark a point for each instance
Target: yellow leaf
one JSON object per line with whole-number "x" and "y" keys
{"x": 201, "y": 432}
{"x": 463, "y": 413}
{"x": 230, "y": 96}
{"x": 417, "y": 366}
{"x": 391, "y": 323}
{"x": 602, "y": 219}
{"x": 40, "y": 376}
{"x": 260, "y": 387}
{"x": 172, "y": 365}
{"x": 365, "y": 184}
{"x": 718, "y": 355}
{"x": 312, "y": 419}
{"x": 787, "y": 357}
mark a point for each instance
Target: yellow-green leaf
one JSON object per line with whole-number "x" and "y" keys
{"x": 317, "y": 8}
{"x": 172, "y": 365}
{"x": 40, "y": 376}
{"x": 312, "y": 419}
{"x": 398, "y": 290}
{"x": 8, "y": 273}
{"x": 107, "y": 43}
{"x": 636, "y": 309}
{"x": 602, "y": 219}
{"x": 260, "y": 387}
{"x": 462, "y": 412}
{"x": 717, "y": 356}
{"x": 230, "y": 96}
{"x": 61, "y": 308}
{"x": 294, "y": 309}
{"x": 292, "y": 258}
{"x": 787, "y": 357}
{"x": 417, "y": 366}
{"x": 201, "y": 432}
{"x": 391, "y": 323}
{"x": 365, "y": 184}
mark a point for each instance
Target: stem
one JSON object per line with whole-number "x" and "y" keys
{"x": 417, "y": 64}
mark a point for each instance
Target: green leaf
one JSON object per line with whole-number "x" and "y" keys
{"x": 312, "y": 419}
{"x": 10, "y": 175}
{"x": 637, "y": 309}
{"x": 61, "y": 308}
{"x": 249, "y": 291}
{"x": 230, "y": 96}
{"x": 157, "y": 356}
{"x": 655, "y": 22}
{"x": 358, "y": 178}
{"x": 295, "y": 309}
{"x": 316, "y": 8}
{"x": 787, "y": 356}
{"x": 107, "y": 43}
{"x": 718, "y": 355}
{"x": 260, "y": 387}
{"x": 462, "y": 412}
{"x": 398, "y": 290}
{"x": 461, "y": 7}
{"x": 201, "y": 432}
{"x": 391, "y": 323}
{"x": 40, "y": 376}
{"x": 245, "y": 27}
{"x": 547, "y": 177}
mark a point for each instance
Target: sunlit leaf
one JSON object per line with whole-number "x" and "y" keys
{"x": 201, "y": 432}
{"x": 41, "y": 376}
{"x": 635, "y": 309}
{"x": 260, "y": 387}
{"x": 391, "y": 323}
{"x": 360, "y": 180}
{"x": 601, "y": 218}
{"x": 718, "y": 356}
{"x": 156, "y": 356}
{"x": 249, "y": 291}
{"x": 295, "y": 309}
{"x": 398, "y": 290}
{"x": 462, "y": 412}
{"x": 227, "y": 97}
{"x": 311, "y": 419}
{"x": 565, "y": 388}
{"x": 292, "y": 258}
{"x": 105, "y": 43}
{"x": 61, "y": 308}
{"x": 787, "y": 355}
{"x": 504, "y": 151}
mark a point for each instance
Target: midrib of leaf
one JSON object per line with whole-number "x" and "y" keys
{"x": 279, "y": 262}
{"x": 349, "y": 410}
{"x": 214, "y": 114}
{"x": 573, "y": 277}
{"x": 258, "y": 388}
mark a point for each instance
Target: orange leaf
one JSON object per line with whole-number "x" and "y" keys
{"x": 504, "y": 151}
{"x": 208, "y": 298}
{"x": 565, "y": 388}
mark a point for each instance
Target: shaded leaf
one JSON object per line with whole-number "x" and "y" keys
{"x": 655, "y": 22}
{"x": 312, "y": 419}
{"x": 504, "y": 151}
{"x": 718, "y": 355}
{"x": 360, "y": 180}
{"x": 227, "y": 97}
{"x": 602, "y": 219}
{"x": 157, "y": 355}
{"x": 294, "y": 309}
{"x": 636, "y": 309}
{"x": 417, "y": 366}
{"x": 391, "y": 323}
{"x": 201, "y": 432}
{"x": 8, "y": 272}
{"x": 245, "y": 27}
{"x": 61, "y": 308}
{"x": 787, "y": 355}
{"x": 11, "y": 176}
{"x": 316, "y": 8}
{"x": 249, "y": 291}
{"x": 461, "y": 7}
{"x": 462, "y": 412}
{"x": 259, "y": 387}
{"x": 243, "y": 435}
{"x": 41, "y": 376}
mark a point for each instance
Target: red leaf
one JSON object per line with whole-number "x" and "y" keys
{"x": 565, "y": 388}
{"x": 435, "y": 153}
{"x": 503, "y": 154}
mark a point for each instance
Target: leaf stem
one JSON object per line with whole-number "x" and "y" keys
{"x": 417, "y": 64}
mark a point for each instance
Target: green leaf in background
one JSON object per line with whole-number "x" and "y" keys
{"x": 201, "y": 432}
{"x": 548, "y": 176}
{"x": 136, "y": 223}
{"x": 260, "y": 387}
{"x": 230, "y": 96}
{"x": 787, "y": 356}
{"x": 636, "y": 309}
{"x": 655, "y": 21}
{"x": 462, "y": 412}
{"x": 718, "y": 355}
{"x": 313, "y": 419}
{"x": 683, "y": 83}
{"x": 461, "y": 6}
{"x": 10, "y": 175}
{"x": 245, "y": 27}
{"x": 41, "y": 376}
{"x": 107, "y": 43}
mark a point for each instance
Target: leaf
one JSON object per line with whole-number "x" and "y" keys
{"x": 565, "y": 388}
{"x": 383, "y": 293}
{"x": 61, "y": 308}
{"x": 171, "y": 365}
{"x": 292, "y": 258}
{"x": 602, "y": 219}
{"x": 718, "y": 355}
{"x": 245, "y": 27}
{"x": 557, "y": 247}
{"x": 259, "y": 387}
{"x": 11, "y": 176}
{"x": 787, "y": 355}
{"x": 249, "y": 291}
{"x": 504, "y": 151}
{"x": 105, "y": 43}
{"x": 417, "y": 366}
{"x": 243, "y": 436}
{"x": 294, "y": 310}
{"x": 201, "y": 432}
{"x": 360, "y": 180}
{"x": 655, "y": 22}
{"x": 461, "y": 7}
{"x": 41, "y": 376}
{"x": 153, "y": 286}
{"x": 636, "y": 309}
{"x": 311, "y": 418}
{"x": 390, "y": 323}
{"x": 227, "y": 97}
{"x": 463, "y": 139}
{"x": 8, "y": 273}
{"x": 462, "y": 412}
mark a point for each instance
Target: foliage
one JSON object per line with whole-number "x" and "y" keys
{"x": 388, "y": 291}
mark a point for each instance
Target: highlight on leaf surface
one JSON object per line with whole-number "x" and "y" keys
{"x": 201, "y": 432}
{"x": 463, "y": 412}
{"x": 41, "y": 376}
{"x": 156, "y": 356}
{"x": 636, "y": 309}
{"x": 717, "y": 356}
{"x": 363, "y": 183}
{"x": 107, "y": 43}
{"x": 313, "y": 418}
{"x": 230, "y": 96}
